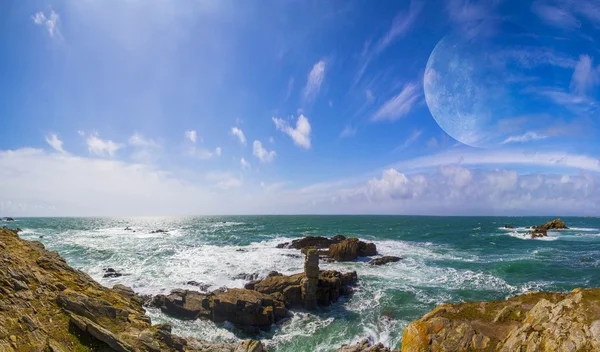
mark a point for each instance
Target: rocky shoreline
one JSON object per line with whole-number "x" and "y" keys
{"x": 45, "y": 305}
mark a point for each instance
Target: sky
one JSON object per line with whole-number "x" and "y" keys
{"x": 191, "y": 107}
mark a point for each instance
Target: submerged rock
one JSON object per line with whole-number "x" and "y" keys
{"x": 48, "y": 306}
{"x": 110, "y": 272}
{"x": 537, "y": 321}
{"x": 364, "y": 346}
{"x": 384, "y": 260}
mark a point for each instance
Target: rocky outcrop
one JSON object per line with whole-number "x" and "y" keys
{"x": 363, "y": 346}
{"x": 9, "y": 219}
{"x": 536, "y": 321}
{"x": 245, "y": 308}
{"x": 350, "y": 249}
{"x": 45, "y": 305}
{"x": 312, "y": 241}
{"x": 384, "y": 260}
{"x": 542, "y": 230}
{"x": 310, "y": 282}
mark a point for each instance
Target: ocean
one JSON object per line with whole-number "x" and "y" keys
{"x": 446, "y": 260}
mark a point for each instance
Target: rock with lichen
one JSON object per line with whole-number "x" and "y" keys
{"x": 46, "y": 305}
{"x": 537, "y": 321}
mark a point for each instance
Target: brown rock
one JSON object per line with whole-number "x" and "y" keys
{"x": 312, "y": 241}
{"x": 384, "y": 260}
{"x": 363, "y": 346}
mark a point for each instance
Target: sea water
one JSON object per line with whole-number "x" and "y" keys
{"x": 446, "y": 260}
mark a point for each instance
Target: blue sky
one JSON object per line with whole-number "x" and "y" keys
{"x": 131, "y": 107}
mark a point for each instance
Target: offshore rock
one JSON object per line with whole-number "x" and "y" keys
{"x": 363, "y": 346}
{"x": 384, "y": 260}
{"x": 350, "y": 249}
{"x": 542, "y": 230}
{"x": 537, "y": 321}
{"x": 312, "y": 241}
{"x": 45, "y": 305}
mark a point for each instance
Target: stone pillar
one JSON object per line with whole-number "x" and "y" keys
{"x": 310, "y": 281}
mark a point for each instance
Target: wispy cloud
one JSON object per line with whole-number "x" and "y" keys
{"x": 245, "y": 164}
{"x": 414, "y": 136}
{"x": 239, "y": 134}
{"x": 290, "y": 88}
{"x": 203, "y": 153}
{"x": 554, "y": 15}
{"x": 146, "y": 150}
{"x": 224, "y": 180}
{"x": 264, "y": 155}
{"x": 348, "y": 131}
{"x": 526, "y": 137}
{"x": 399, "y": 105}
{"x": 50, "y": 22}
{"x": 300, "y": 135}
{"x": 55, "y": 143}
{"x": 470, "y": 15}
{"x": 314, "y": 81}
{"x": 192, "y": 136}
{"x": 100, "y": 147}
{"x": 585, "y": 77}
{"x": 401, "y": 25}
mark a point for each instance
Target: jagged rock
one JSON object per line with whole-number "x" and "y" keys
{"x": 310, "y": 282}
{"x": 9, "y": 219}
{"x": 364, "y": 346}
{"x": 128, "y": 292}
{"x": 159, "y": 231}
{"x": 203, "y": 287}
{"x": 384, "y": 260}
{"x": 274, "y": 273}
{"x": 312, "y": 241}
{"x": 508, "y": 227}
{"x": 542, "y": 230}
{"x": 59, "y": 309}
{"x": 110, "y": 272}
{"x": 244, "y": 276}
{"x": 537, "y": 321}
{"x": 350, "y": 249}
{"x": 238, "y": 306}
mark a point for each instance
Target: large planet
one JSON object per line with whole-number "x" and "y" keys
{"x": 497, "y": 89}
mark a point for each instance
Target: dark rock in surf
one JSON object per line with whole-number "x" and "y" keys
{"x": 312, "y": 241}
{"x": 110, "y": 272}
{"x": 9, "y": 219}
{"x": 159, "y": 231}
{"x": 244, "y": 276}
{"x": 203, "y": 287}
{"x": 384, "y": 260}
{"x": 363, "y": 346}
{"x": 508, "y": 227}
{"x": 542, "y": 230}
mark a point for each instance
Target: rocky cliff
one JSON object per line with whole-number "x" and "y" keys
{"x": 536, "y": 321}
{"x": 45, "y": 305}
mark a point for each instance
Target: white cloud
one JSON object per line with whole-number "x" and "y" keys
{"x": 400, "y": 105}
{"x": 146, "y": 150}
{"x": 315, "y": 79}
{"x": 224, "y": 180}
{"x": 55, "y": 143}
{"x": 192, "y": 136}
{"x": 585, "y": 76}
{"x": 527, "y": 137}
{"x": 239, "y": 134}
{"x": 101, "y": 147}
{"x": 245, "y": 165}
{"x": 137, "y": 140}
{"x": 261, "y": 153}
{"x": 300, "y": 135}
{"x": 289, "y": 88}
{"x": 51, "y": 22}
{"x": 203, "y": 153}
{"x": 402, "y": 23}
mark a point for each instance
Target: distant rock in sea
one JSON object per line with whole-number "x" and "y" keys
{"x": 339, "y": 248}
{"x": 384, "y": 260}
{"x": 542, "y": 230}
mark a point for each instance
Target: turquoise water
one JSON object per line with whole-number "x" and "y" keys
{"x": 447, "y": 259}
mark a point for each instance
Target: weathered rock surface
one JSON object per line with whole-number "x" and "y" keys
{"x": 350, "y": 249}
{"x": 312, "y": 241}
{"x": 542, "y": 230}
{"x": 384, "y": 260}
{"x": 45, "y": 305}
{"x": 531, "y": 322}
{"x": 363, "y": 346}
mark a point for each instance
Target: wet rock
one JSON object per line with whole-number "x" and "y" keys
{"x": 364, "y": 346}
{"x": 312, "y": 241}
{"x": 244, "y": 276}
{"x": 274, "y": 273}
{"x": 508, "y": 227}
{"x": 9, "y": 219}
{"x": 110, "y": 272}
{"x": 384, "y": 260}
{"x": 159, "y": 231}
{"x": 201, "y": 286}
{"x": 542, "y": 230}
{"x": 128, "y": 228}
